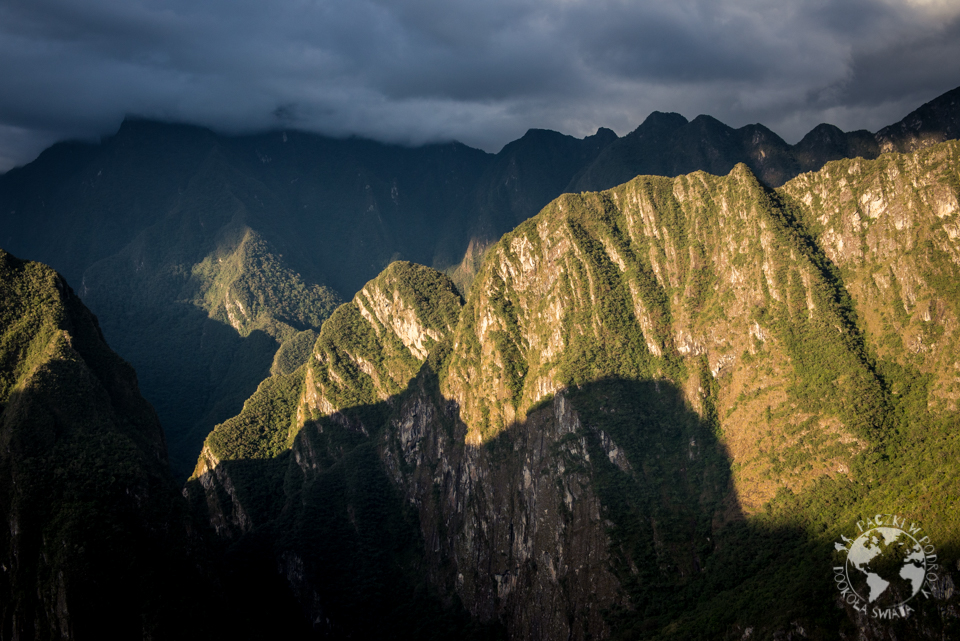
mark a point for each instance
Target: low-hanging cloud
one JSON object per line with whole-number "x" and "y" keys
{"x": 424, "y": 70}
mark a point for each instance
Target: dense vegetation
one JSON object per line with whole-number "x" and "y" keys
{"x": 808, "y": 303}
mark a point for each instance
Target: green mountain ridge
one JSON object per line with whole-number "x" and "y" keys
{"x": 347, "y": 546}
{"x": 660, "y": 409}
{"x": 170, "y": 232}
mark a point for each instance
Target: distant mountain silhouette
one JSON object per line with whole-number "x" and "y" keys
{"x": 669, "y": 145}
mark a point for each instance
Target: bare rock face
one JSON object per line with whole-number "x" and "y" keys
{"x": 499, "y": 517}
{"x": 684, "y": 279}
{"x": 516, "y": 518}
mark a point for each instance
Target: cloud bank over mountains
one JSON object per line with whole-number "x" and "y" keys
{"x": 482, "y": 73}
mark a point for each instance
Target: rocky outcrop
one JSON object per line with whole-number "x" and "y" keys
{"x": 516, "y": 518}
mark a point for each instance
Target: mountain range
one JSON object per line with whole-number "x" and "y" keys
{"x": 650, "y": 410}
{"x": 202, "y": 254}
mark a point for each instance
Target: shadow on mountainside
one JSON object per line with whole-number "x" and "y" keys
{"x": 401, "y": 532}
{"x": 95, "y": 539}
{"x": 343, "y": 547}
{"x": 196, "y": 371}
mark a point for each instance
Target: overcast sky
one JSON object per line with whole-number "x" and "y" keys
{"x": 481, "y": 72}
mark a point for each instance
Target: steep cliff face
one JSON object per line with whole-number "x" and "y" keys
{"x": 894, "y": 238}
{"x": 302, "y": 465}
{"x": 489, "y": 515}
{"x": 93, "y": 538}
{"x": 701, "y": 285}
{"x": 365, "y": 355}
{"x": 659, "y": 408}
{"x": 700, "y": 280}
{"x": 514, "y": 528}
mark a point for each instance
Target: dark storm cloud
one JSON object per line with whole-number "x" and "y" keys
{"x": 417, "y": 70}
{"x": 906, "y": 66}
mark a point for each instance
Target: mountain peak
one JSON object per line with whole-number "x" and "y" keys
{"x": 824, "y": 133}
{"x": 706, "y": 120}
{"x": 933, "y": 122}
{"x": 659, "y": 120}
{"x": 604, "y": 136}
{"x": 535, "y": 133}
